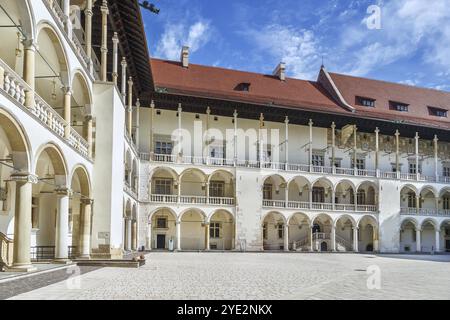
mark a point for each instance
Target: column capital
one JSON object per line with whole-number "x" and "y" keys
{"x": 24, "y": 177}
{"x": 286, "y": 120}
{"x": 397, "y": 133}
{"x": 377, "y": 130}
{"x": 88, "y": 117}
{"x": 104, "y": 7}
{"x": 124, "y": 62}
{"x": 310, "y": 123}
{"x": 63, "y": 191}
{"x": 130, "y": 81}
{"x": 30, "y": 44}
{"x": 180, "y": 108}
{"x": 235, "y": 113}
{"x": 417, "y": 135}
{"x": 115, "y": 38}
{"x": 88, "y": 12}
{"x": 152, "y": 104}
{"x": 67, "y": 90}
{"x": 418, "y": 229}
{"x": 333, "y": 125}
{"x": 435, "y": 138}
{"x": 86, "y": 201}
{"x": 208, "y": 110}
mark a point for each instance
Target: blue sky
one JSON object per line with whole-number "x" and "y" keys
{"x": 412, "y": 46}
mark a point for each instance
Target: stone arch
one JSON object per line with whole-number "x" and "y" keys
{"x": 407, "y": 220}
{"x": 299, "y": 187}
{"x": 429, "y": 188}
{"x": 152, "y": 213}
{"x": 431, "y": 221}
{"x": 17, "y": 141}
{"x": 196, "y": 210}
{"x": 81, "y": 101}
{"x": 368, "y": 233}
{"x": 345, "y": 192}
{"x": 84, "y": 178}
{"x": 222, "y": 230}
{"x": 273, "y": 230}
{"x": 345, "y": 216}
{"x": 192, "y": 182}
{"x": 53, "y": 67}
{"x": 193, "y": 229}
{"x": 57, "y": 160}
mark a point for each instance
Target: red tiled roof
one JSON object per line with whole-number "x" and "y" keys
{"x": 417, "y": 99}
{"x": 219, "y": 83}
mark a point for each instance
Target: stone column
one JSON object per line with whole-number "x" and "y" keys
{"x": 128, "y": 234}
{"x": 149, "y": 236}
{"x": 104, "y": 47}
{"x": 333, "y": 146}
{"x": 130, "y": 107}
{"x": 377, "y": 151}
{"x": 179, "y": 146}
{"x": 68, "y": 23}
{"x": 311, "y": 238}
{"x": 418, "y": 240}
{"x": 22, "y": 221}
{"x": 260, "y": 140}
{"x": 286, "y": 196}
{"x": 29, "y": 71}
{"x": 355, "y": 151}
{"x": 67, "y": 111}
{"x": 178, "y": 223}
{"x": 152, "y": 121}
{"x": 205, "y": 144}
{"x": 88, "y": 13}
{"x": 89, "y": 135}
{"x": 397, "y": 153}
{"x": 437, "y": 241}
{"x": 355, "y": 239}
{"x": 134, "y": 235}
{"x": 85, "y": 239}
{"x": 333, "y": 238}
{"x": 62, "y": 225}
{"x": 115, "y": 73}
{"x": 436, "y": 150}
{"x": 286, "y": 151}
{"x": 235, "y": 118}
{"x": 136, "y": 131}
{"x": 207, "y": 246}
{"x": 286, "y": 237}
{"x": 417, "y": 155}
{"x": 124, "y": 80}
{"x": 310, "y": 145}
{"x": 375, "y": 239}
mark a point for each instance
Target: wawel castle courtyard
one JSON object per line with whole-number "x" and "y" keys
{"x": 124, "y": 176}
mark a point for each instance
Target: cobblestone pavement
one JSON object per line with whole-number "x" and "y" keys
{"x": 261, "y": 276}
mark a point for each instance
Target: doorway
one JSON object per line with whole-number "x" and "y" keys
{"x": 323, "y": 246}
{"x": 161, "y": 241}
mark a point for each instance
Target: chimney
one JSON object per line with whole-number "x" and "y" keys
{"x": 185, "y": 57}
{"x": 280, "y": 71}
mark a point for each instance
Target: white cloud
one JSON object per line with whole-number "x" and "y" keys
{"x": 296, "y": 47}
{"x": 177, "y": 35}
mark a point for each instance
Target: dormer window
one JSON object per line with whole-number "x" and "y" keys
{"x": 365, "y": 102}
{"x": 243, "y": 86}
{"x": 438, "y": 112}
{"x": 398, "y": 106}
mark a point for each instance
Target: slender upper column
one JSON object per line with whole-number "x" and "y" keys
{"x": 436, "y": 150}
{"x": 333, "y": 238}
{"x": 437, "y": 241}
{"x": 205, "y": 153}
{"x": 333, "y": 145}
{"x": 377, "y": 149}
{"x": 310, "y": 144}
{"x": 417, "y": 155}
{"x": 29, "y": 67}
{"x": 261, "y": 141}
{"x": 235, "y": 120}
{"x": 62, "y": 224}
{"x": 355, "y": 150}
{"x": 67, "y": 111}
{"x": 104, "y": 48}
{"x": 22, "y": 221}
{"x": 130, "y": 107}
{"x": 68, "y": 22}
{"x": 138, "y": 111}
{"x": 286, "y": 151}
{"x": 115, "y": 74}
{"x": 397, "y": 152}
{"x": 133, "y": 235}
{"x": 152, "y": 123}
{"x": 207, "y": 237}
{"x": 180, "y": 149}
{"x": 124, "y": 79}
{"x": 311, "y": 240}
{"x": 88, "y": 13}
{"x": 86, "y": 215}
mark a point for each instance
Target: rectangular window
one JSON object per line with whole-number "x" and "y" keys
{"x": 214, "y": 230}
{"x": 217, "y": 150}
{"x": 360, "y": 163}
{"x": 446, "y": 171}
{"x": 265, "y": 231}
{"x": 318, "y": 160}
{"x": 338, "y": 163}
{"x": 163, "y": 186}
{"x": 280, "y": 231}
{"x": 398, "y": 106}
{"x": 412, "y": 200}
{"x": 413, "y": 167}
{"x": 413, "y": 235}
{"x": 161, "y": 223}
{"x": 446, "y": 203}
{"x": 266, "y": 153}
{"x": 267, "y": 192}
{"x": 437, "y": 112}
{"x": 163, "y": 147}
{"x": 365, "y": 102}
{"x": 217, "y": 189}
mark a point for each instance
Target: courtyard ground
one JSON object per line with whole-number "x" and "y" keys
{"x": 261, "y": 276}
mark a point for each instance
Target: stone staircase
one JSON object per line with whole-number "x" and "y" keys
{"x": 343, "y": 245}
{"x": 6, "y": 252}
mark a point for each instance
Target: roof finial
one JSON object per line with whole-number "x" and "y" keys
{"x": 322, "y": 66}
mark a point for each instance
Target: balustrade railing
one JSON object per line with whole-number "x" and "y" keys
{"x": 425, "y": 211}
{"x": 223, "y": 201}
{"x": 6, "y": 251}
{"x": 318, "y": 206}
{"x": 78, "y": 142}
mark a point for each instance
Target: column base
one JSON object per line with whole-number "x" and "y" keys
{"x": 22, "y": 268}
{"x": 84, "y": 257}
{"x": 62, "y": 261}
